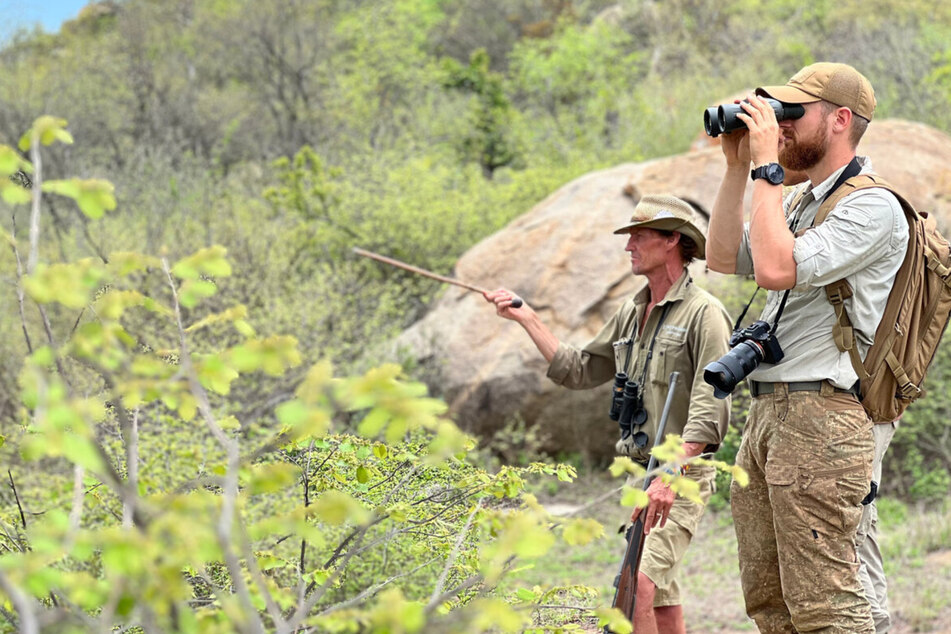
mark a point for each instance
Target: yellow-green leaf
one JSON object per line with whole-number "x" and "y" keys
{"x": 634, "y": 497}
{"x": 336, "y": 508}
{"x": 46, "y": 129}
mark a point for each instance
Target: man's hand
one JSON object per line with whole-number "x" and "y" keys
{"x": 661, "y": 500}
{"x": 764, "y": 134}
{"x": 502, "y": 298}
{"x": 736, "y": 149}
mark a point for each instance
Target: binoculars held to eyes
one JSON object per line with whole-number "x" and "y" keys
{"x": 722, "y": 119}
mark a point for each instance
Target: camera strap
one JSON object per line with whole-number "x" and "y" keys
{"x": 852, "y": 169}
{"x": 650, "y": 350}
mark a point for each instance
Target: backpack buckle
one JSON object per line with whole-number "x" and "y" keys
{"x": 838, "y": 293}
{"x": 908, "y": 391}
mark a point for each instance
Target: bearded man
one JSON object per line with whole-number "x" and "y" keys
{"x": 808, "y": 443}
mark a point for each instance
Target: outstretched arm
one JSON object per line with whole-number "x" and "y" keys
{"x": 544, "y": 339}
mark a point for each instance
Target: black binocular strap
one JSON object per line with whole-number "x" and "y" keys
{"x": 852, "y": 169}
{"x": 650, "y": 351}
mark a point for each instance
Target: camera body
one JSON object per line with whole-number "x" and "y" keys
{"x": 760, "y": 333}
{"x": 723, "y": 120}
{"x": 749, "y": 347}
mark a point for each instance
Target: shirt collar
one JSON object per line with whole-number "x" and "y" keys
{"x": 819, "y": 191}
{"x": 676, "y": 292}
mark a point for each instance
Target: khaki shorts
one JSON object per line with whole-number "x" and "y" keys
{"x": 664, "y": 548}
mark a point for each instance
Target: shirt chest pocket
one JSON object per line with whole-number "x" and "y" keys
{"x": 670, "y": 354}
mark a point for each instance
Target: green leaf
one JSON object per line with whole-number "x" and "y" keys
{"x": 363, "y": 475}
{"x": 11, "y": 162}
{"x": 193, "y": 291}
{"x": 93, "y": 196}
{"x": 581, "y": 531}
{"x": 525, "y": 594}
{"x": 46, "y": 129}
{"x": 69, "y": 284}
{"x": 336, "y": 508}
{"x": 13, "y": 194}
{"x": 632, "y": 497}
{"x": 214, "y": 374}
{"x": 209, "y": 261}
{"x": 614, "y": 620}
{"x": 270, "y": 478}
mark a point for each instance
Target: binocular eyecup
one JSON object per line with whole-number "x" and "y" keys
{"x": 723, "y": 119}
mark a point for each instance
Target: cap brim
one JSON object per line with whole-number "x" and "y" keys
{"x": 786, "y": 94}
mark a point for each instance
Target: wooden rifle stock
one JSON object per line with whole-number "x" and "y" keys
{"x": 625, "y": 583}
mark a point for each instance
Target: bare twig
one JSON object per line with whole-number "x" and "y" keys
{"x": 132, "y": 470}
{"x": 229, "y": 495}
{"x": 29, "y": 623}
{"x": 16, "y": 497}
{"x": 451, "y": 559}
{"x": 369, "y": 592}
{"x": 21, "y": 293}
{"x": 34, "y": 254}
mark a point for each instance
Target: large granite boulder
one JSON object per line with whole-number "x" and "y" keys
{"x": 562, "y": 257}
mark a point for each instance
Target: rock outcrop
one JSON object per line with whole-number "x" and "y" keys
{"x": 562, "y": 257}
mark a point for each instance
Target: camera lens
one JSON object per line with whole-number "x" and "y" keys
{"x": 733, "y": 367}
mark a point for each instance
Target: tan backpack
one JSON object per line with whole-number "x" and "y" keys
{"x": 915, "y": 317}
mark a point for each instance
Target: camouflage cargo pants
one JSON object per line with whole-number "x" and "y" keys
{"x": 809, "y": 457}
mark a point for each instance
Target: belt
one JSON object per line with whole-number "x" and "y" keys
{"x": 757, "y": 388}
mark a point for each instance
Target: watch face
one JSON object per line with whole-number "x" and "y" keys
{"x": 775, "y": 173}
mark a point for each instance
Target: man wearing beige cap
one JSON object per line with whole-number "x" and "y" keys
{"x": 808, "y": 444}
{"x": 669, "y": 325}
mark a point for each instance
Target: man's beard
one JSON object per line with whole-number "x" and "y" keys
{"x": 804, "y": 154}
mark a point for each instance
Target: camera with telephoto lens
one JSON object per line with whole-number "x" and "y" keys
{"x": 748, "y": 348}
{"x": 627, "y": 408}
{"x": 723, "y": 120}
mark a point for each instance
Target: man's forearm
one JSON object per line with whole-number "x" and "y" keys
{"x": 771, "y": 242}
{"x": 544, "y": 339}
{"x": 726, "y": 221}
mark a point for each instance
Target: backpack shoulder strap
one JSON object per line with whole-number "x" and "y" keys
{"x": 837, "y": 292}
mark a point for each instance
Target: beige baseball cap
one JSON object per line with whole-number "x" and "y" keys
{"x": 827, "y": 81}
{"x": 667, "y": 213}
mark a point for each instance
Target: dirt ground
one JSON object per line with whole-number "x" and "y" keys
{"x": 919, "y": 584}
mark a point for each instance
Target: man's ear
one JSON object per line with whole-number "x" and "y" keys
{"x": 843, "y": 119}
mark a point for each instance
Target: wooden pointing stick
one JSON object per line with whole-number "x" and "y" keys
{"x": 516, "y": 301}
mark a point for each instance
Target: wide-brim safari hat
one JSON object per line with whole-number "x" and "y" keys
{"x": 839, "y": 84}
{"x": 666, "y": 213}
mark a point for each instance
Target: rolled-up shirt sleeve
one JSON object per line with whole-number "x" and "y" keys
{"x": 590, "y": 366}
{"x": 863, "y": 227}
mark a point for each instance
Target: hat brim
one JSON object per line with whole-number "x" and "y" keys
{"x": 786, "y": 94}
{"x": 670, "y": 224}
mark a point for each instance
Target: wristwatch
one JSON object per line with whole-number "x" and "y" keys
{"x": 772, "y": 172}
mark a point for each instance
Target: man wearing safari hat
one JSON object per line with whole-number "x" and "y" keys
{"x": 807, "y": 444}
{"x": 669, "y": 325}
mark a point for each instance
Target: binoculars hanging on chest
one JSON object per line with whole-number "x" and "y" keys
{"x": 627, "y": 408}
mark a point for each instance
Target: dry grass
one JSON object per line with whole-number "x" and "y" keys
{"x": 916, "y": 543}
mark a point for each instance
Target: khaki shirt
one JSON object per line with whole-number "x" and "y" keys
{"x": 695, "y": 332}
{"x": 864, "y": 240}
